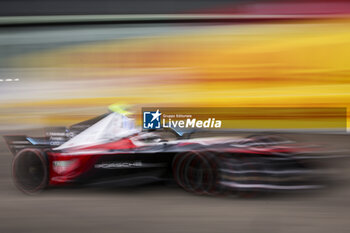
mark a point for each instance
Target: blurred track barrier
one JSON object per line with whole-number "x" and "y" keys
{"x": 158, "y": 18}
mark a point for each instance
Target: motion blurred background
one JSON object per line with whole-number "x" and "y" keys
{"x": 69, "y": 60}
{"x": 63, "y": 61}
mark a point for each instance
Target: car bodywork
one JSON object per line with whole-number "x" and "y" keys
{"x": 110, "y": 148}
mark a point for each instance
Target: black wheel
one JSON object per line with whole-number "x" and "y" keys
{"x": 30, "y": 171}
{"x": 197, "y": 172}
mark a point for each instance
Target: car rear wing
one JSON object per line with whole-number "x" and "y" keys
{"x": 16, "y": 143}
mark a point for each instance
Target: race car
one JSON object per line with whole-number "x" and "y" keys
{"x": 110, "y": 148}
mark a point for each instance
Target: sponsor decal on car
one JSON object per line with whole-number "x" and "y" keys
{"x": 127, "y": 164}
{"x": 132, "y": 164}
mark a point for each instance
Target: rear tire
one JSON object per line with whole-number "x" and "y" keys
{"x": 30, "y": 171}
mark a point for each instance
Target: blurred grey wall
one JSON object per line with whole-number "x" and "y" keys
{"x": 74, "y": 7}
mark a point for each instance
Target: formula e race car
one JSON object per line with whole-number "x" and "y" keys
{"x": 110, "y": 148}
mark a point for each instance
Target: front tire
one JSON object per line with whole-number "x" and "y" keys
{"x": 197, "y": 172}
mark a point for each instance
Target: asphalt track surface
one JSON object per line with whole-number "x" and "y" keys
{"x": 167, "y": 208}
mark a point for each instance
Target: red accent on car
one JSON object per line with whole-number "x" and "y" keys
{"x": 65, "y": 168}
{"x": 117, "y": 145}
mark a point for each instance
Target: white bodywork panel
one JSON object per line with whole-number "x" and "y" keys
{"x": 112, "y": 127}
